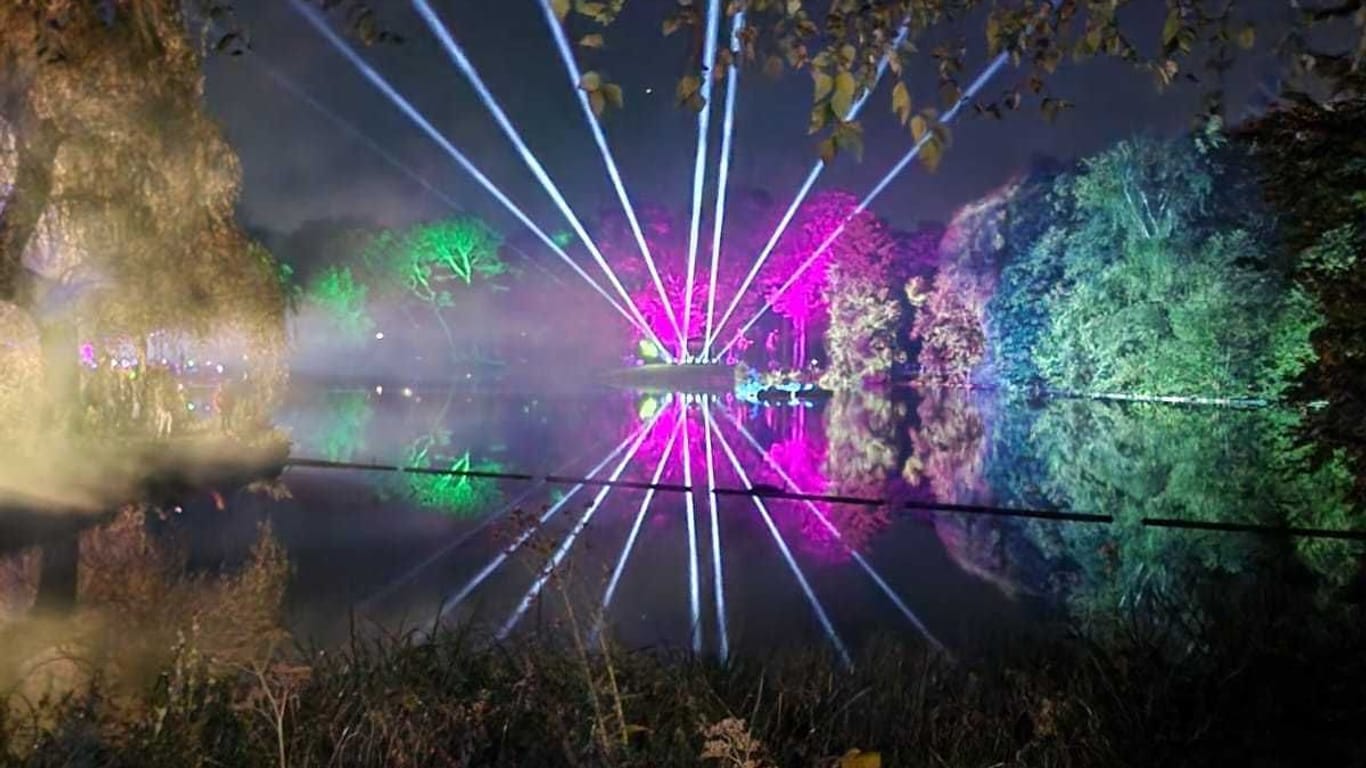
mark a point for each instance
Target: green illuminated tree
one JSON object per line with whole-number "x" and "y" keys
{"x": 342, "y": 298}
{"x": 464, "y": 248}
{"x": 343, "y": 431}
{"x": 427, "y": 262}
{"x": 860, "y": 432}
{"x": 1159, "y": 297}
{"x": 860, "y": 338}
{"x": 1311, "y": 164}
{"x": 1215, "y": 465}
{"x": 453, "y": 494}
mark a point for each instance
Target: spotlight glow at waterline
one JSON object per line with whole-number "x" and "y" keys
{"x": 320, "y": 24}
{"x": 810, "y": 594}
{"x": 797, "y": 201}
{"x": 462, "y": 62}
{"x": 549, "y": 569}
{"x": 575, "y": 78}
{"x": 455, "y": 600}
{"x": 825, "y": 522}
{"x": 968, "y": 95}
{"x": 699, "y": 176}
{"x": 723, "y": 173}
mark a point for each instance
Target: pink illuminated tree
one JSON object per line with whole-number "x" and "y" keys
{"x": 803, "y": 305}
{"x": 667, "y": 240}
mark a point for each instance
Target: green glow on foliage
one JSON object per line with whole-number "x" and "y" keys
{"x": 428, "y": 258}
{"x": 337, "y": 292}
{"x": 348, "y": 417}
{"x": 563, "y": 239}
{"x": 647, "y": 409}
{"x": 463, "y": 247}
{"x": 461, "y": 496}
{"x": 648, "y": 350}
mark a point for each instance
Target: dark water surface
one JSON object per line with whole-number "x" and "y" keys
{"x": 403, "y": 550}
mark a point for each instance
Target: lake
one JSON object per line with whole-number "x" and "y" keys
{"x": 725, "y": 573}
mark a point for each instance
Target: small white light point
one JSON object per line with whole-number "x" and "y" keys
{"x": 379, "y": 389}
{"x": 407, "y": 392}
{"x": 379, "y": 335}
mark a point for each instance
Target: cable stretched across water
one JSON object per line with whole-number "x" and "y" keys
{"x": 919, "y": 505}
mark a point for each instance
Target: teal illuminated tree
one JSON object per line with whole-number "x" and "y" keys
{"x": 1162, "y": 298}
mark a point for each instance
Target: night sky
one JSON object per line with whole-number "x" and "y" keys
{"x": 298, "y": 165}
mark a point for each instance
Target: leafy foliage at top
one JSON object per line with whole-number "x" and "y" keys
{"x": 842, "y": 44}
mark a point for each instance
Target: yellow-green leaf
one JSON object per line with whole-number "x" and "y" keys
{"x": 597, "y": 102}
{"x": 901, "y": 102}
{"x": 793, "y": 6}
{"x": 949, "y": 94}
{"x": 561, "y": 8}
{"x": 592, "y": 10}
{"x": 849, "y": 137}
{"x": 827, "y": 149}
{"x": 856, "y": 759}
{"x": 931, "y": 154}
{"x": 919, "y": 127}
{"x": 671, "y": 25}
{"x": 612, "y": 92}
{"x": 688, "y": 85}
{"x": 843, "y": 97}
{"x": 1247, "y": 37}
{"x": 590, "y": 81}
{"x": 942, "y": 135}
{"x": 1172, "y": 28}
{"x": 824, "y": 85}
{"x": 819, "y": 114}
{"x": 591, "y": 41}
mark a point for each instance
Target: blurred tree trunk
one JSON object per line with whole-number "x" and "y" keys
{"x": 35, "y": 145}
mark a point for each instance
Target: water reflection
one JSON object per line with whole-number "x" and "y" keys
{"x": 953, "y": 446}
{"x": 715, "y": 570}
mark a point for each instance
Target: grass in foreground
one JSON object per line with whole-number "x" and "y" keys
{"x": 1261, "y": 680}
